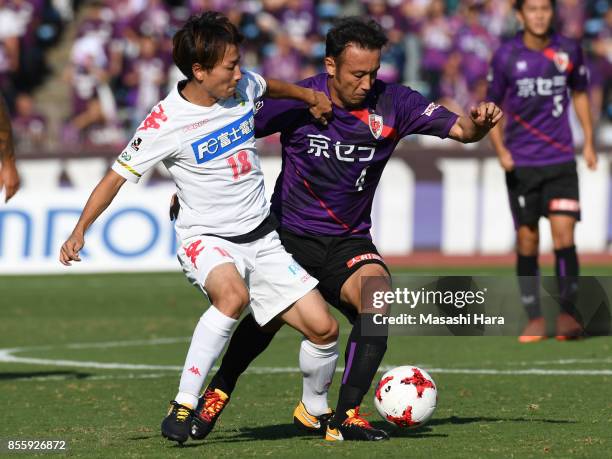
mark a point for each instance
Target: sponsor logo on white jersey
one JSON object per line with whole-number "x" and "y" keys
{"x": 224, "y": 139}
{"x": 195, "y": 125}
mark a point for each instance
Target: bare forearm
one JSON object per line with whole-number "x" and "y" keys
{"x": 318, "y": 103}
{"x": 466, "y": 131}
{"x": 497, "y": 139}
{"x": 7, "y": 154}
{"x": 100, "y": 198}
{"x": 281, "y": 90}
{"x": 583, "y": 112}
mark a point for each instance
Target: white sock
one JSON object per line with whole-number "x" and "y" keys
{"x": 318, "y": 364}
{"x": 209, "y": 337}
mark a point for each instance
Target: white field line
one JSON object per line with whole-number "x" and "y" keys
{"x": 101, "y": 345}
{"x": 272, "y": 370}
{"x": 142, "y": 342}
{"x": 276, "y": 370}
{"x": 7, "y": 356}
{"x": 107, "y": 377}
{"x": 566, "y": 361}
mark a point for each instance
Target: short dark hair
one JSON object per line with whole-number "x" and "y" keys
{"x": 365, "y": 33}
{"x": 518, "y": 4}
{"x": 203, "y": 40}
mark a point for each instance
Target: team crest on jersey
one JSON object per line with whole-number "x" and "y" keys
{"x": 561, "y": 61}
{"x": 135, "y": 145}
{"x": 376, "y": 124}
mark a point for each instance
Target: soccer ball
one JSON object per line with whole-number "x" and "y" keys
{"x": 406, "y": 396}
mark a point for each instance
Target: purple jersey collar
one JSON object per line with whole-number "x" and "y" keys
{"x": 554, "y": 41}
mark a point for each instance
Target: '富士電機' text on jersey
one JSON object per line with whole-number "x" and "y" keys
{"x": 210, "y": 154}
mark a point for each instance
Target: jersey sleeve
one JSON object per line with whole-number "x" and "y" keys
{"x": 417, "y": 115}
{"x": 497, "y": 80}
{"x": 256, "y": 85}
{"x": 579, "y": 75}
{"x": 149, "y": 146}
{"x": 277, "y": 115}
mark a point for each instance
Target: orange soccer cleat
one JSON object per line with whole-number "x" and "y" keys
{"x": 534, "y": 331}
{"x": 568, "y": 328}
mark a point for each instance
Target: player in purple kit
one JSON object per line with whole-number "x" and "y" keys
{"x": 323, "y": 200}
{"x": 533, "y": 76}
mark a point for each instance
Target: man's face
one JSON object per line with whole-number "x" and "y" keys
{"x": 536, "y": 16}
{"x": 353, "y": 74}
{"x": 221, "y": 81}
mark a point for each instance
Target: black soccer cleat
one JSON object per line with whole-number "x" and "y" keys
{"x": 354, "y": 428}
{"x": 210, "y": 406}
{"x": 177, "y": 423}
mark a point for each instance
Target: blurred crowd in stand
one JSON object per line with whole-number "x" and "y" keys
{"x": 120, "y": 63}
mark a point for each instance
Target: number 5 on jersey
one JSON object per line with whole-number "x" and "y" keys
{"x": 240, "y": 164}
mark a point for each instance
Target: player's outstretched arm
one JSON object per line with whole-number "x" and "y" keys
{"x": 472, "y": 128}
{"x": 583, "y": 112}
{"x": 319, "y": 104}
{"x": 100, "y": 198}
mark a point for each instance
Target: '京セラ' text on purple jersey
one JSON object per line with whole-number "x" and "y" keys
{"x": 330, "y": 173}
{"x": 533, "y": 89}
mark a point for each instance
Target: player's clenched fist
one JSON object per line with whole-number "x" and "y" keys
{"x": 321, "y": 107}
{"x": 70, "y": 249}
{"x": 486, "y": 115}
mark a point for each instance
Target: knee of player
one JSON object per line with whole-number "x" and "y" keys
{"x": 326, "y": 331}
{"x": 333, "y": 330}
{"x": 528, "y": 242}
{"x": 232, "y": 301}
{"x": 529, "y": 233}
{"x": 562, "y": 239}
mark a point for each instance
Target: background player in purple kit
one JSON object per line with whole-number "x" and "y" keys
{"x": 533, "y": 75}
{"x": 323, "y": 200}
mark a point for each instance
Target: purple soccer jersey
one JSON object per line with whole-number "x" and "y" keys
{"x": 532, "y": 88}
{"x": 329, "y": 174}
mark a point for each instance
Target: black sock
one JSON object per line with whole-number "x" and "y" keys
{"x": 362, "y": 358}
{"x": 528, "y": 274}
{"x": 567, "y": 269}
{"x": 247, "y": 342}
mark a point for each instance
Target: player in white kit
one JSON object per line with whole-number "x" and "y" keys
{"x": 203, "y": 132}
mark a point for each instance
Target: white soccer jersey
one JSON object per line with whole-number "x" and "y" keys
{"x": 211, "y": 156}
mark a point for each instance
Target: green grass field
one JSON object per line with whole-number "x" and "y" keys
{"x": 96, "y": 358}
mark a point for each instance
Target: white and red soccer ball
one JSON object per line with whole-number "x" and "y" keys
{"x": 406, "y": 396}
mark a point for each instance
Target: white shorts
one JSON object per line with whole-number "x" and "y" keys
{"x": 274, "y": 279}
